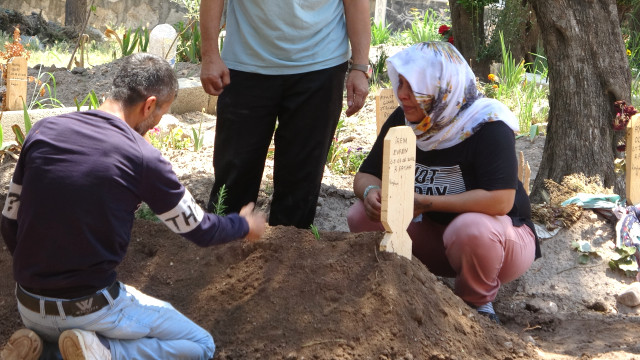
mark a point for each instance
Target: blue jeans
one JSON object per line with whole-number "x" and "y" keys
{"x": 137, "y": 326}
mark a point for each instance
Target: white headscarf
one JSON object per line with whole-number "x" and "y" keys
{"x": 445, "y": 87}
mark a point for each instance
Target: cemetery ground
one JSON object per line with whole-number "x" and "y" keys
{"x": 295, "y": 296}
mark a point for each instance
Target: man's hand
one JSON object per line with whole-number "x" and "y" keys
{"x": 257, "y": 221}
{"x": 214, "y": 75}
{"x": 357, "y": 90}
{"x": 373, "y": 204}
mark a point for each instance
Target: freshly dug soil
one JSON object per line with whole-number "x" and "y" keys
{"x": 292, "y": 296}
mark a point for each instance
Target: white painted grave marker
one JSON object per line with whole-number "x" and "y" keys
{"x": 398, "y": 176}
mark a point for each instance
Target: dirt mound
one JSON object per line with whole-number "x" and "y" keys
{"x": 292, "y": 296}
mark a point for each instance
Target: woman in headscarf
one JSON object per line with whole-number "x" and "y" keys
{"x": 473, "y": 216}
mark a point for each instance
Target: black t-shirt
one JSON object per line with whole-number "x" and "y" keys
{"x": 486, "y": 160}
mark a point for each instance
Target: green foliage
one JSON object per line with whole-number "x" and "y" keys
{"x": 17, "y": 131}
{"x": 145, "y": 213}
{"x": 380, "y": 33}
{"x": 131, "y": 39}
{"x": 189, "y": 48}
{"x": 92, "y": 98}
{"x": 342, "y": 159}
{"x": 624, "y": 260}
{"x": 45, "y": 93}
{"x": 424, "y": 27}
{"x": 198, "y": 137}
{"x": 175, "y": 139}
{"x": 143, "y": 41}
{"x": 315, "y": 231}
{"x": 585, "y": 250}
{"x": 474, "y": 5}
{"x": 525, "y": 97}
{"x": 129, "y": 43}
{"x": 192, "y": 6}
{"x": 219, "y": 208}
{"x": 379, "y": 67}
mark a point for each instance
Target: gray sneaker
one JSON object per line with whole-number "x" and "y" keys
{"x": 24, "y": 344}
{"x": 78, "y": 344}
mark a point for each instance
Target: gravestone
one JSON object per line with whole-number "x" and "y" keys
{"x": 16, "y": 83}
{"x": 380, "y": 12}
{"x": 386, "y": 103}
{"x": 398, "y": 177}
{"x": 632, "y": 160}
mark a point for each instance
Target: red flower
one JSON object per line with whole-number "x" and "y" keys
{"x": 450, "y": 40}
{"x": 443, "y": 29}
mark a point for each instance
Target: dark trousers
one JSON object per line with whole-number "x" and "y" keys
{"x": 307, "y": 108}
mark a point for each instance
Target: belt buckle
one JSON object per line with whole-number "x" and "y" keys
{"x": 85, "y": 307}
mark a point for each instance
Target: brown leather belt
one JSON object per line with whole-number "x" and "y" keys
{"x": 76, "y": 307}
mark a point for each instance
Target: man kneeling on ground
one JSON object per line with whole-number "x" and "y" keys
{"x": 67, "y": 222}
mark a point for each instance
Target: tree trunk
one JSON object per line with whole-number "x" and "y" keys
{"x": 588, "y": 72}
{"x": 74, "y": 12}
{"x": 469, "y": 37}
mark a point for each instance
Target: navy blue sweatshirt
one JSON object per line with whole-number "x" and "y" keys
{"x": 70, "y": 208}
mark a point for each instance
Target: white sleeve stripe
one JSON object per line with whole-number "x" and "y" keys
{"x": 185, "y": 216}
{"x": 12, "y": 203}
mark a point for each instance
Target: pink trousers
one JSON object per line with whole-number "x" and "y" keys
{"x": 479, "y": 250}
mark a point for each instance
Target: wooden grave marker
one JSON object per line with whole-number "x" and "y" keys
{"x": 16, "y": 83}
{"x": 386, "y": 103}
{"x": 524, "y": 172}
{"x": 632, "y": 160}
{"x": 398, "y": 178}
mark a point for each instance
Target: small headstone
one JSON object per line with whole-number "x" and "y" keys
{"x": 16, "y": 83}
{"x": 386, "y": 103}
{"x": 162, "y": 42}
{"x": 380, "y": 12}
{"x": 398, "y": 177}
{"x": 632, "y": 160}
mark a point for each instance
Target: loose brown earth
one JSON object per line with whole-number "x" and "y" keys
{"x": 292, "y": 296}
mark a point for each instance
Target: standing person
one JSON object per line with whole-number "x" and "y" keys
{"x": 473, "y": 216}
{"x": 67, "y": 222}
{"x": 282, "y": 69}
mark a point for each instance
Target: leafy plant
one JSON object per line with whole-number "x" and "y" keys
{"x": 315, "y": 231}
{"x": 380, "y": 33}
{"x": 585, "y": 250}
{"x": 219, "y": 208}
{"x": 190, "y": 40}
{"x": 379, "y": 67}
{"x": 143, "y": 40}
{"x": 198, "y": 137}
{"x": 144, "y": 212}
{"x": 174, "y": 139}
{"x": 48, "y": 88}
{"x": 343, "y": 159}
{"x": 624, "y": 260}
{"x": 92, "y": 98}
{"x": 423, "y": 27}
{"x": 129, "y": 41}
{"x": 510, "y": 73}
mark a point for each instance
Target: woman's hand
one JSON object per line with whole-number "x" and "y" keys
{"x": 373, "y": 204}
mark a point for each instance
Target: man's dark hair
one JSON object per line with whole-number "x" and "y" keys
{"x": 142, "y": 75}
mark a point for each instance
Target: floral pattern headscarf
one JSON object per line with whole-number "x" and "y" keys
{"x": 445, "y": 87}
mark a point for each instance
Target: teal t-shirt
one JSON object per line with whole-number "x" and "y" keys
{"x": 277, "y": 37}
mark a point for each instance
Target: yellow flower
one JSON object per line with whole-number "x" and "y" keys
{"x": 492, "y": 77}
{"x": 628, "y": 52}
{"x": 494, "y": 86}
